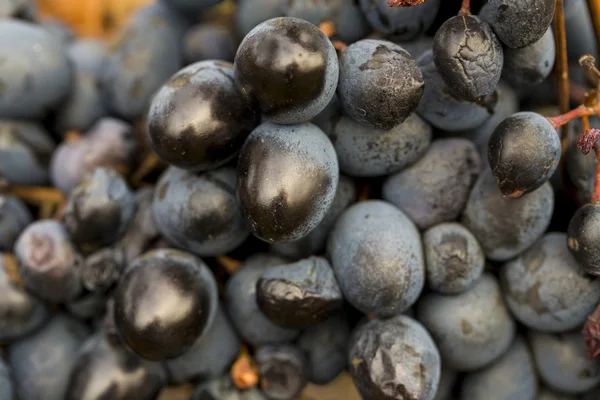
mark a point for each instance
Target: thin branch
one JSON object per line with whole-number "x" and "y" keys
{"x": 562, "y": 68}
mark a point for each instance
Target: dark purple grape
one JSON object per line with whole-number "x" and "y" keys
{"x": 531, "y": 64}
{"x": 49, "y": 264}
{"x": 283, "y": 371}
{"x": 562, "y": 362}
{"x": 35, "y": 72}
{"x": 394, "y": 359}
{"x": 99, "y": 210}
{"x": 164, "y": 303}
{"x": 199, "y": 119}
{"x": 250, "y": 13}
{"x": 523, "y": 153}
{"x": 300, "y": 294}
{"x": 346, "y": 16}
{"x": 512, "y": 376}
{"x": 471, "y": 329}
{"x": 287, "y": 176}
{"x": 240, "y": 299}
{"x": 109, "y": 143}
{"x": 435, "y": 189}
{"x": 468, "y": 56}
{"x": 531, "y": 291}
{"x": 583, "y": 236}
{"x": 208, "y": 42}
{"x": 14, "y": 218}
{"x": 25, "y": 151}
{"x": 289, "y": 68}
{"x": 520, "y": 23}
{"x": 376, "y": 253}
{"x": 199, "y": 213}
{"x": 212, "y": 354}
{"x": 506, "y": 227}
{"x": 380, "y": 83}
{"x": 104, "y": 369}
{"x": 146, "y": 53}
{"x": 20, "y": 311}
{"x": 365, "y": 151}
{"x": 442, "y": 109}
{"x": 41, "y": 363}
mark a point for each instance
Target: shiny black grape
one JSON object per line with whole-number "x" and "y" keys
{"x": 164, "y": 303}
{"x": 520, "y": 23}
{"x": 583, "y": 235}
{"x": 289, "y": 68}
{"x": 199, "y": 119}
{"x": 287, "y": 176}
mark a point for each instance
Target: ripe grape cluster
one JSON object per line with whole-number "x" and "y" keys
{"x": 269, "y": 199}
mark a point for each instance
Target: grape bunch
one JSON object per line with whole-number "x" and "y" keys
{"x": 302, "y": 200}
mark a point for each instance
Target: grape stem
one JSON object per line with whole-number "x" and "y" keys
{"x": 466, "y": 8}
{"x": 562, "y": 68}
{"x": 581, "y": 111}
{"x": 594, "y": 8}
{"x": 404, "y": 3}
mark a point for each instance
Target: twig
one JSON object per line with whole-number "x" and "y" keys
{"x": 562, "y": 69}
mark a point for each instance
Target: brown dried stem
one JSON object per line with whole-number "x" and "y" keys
{"x": 562, "y": 69}
{"x": 404, "y": 3}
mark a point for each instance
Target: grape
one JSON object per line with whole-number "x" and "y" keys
{"x": 14, "y": 218}
{"x": 562, "y": 363}
{"x": 435, "y": 188}
{"x": 49, "y": 264}
{"x": 346, "y": 15}
{"x": 199, "y": 119}
{"x": 289, "y": 68}
{"x": 199, "y": 213}
{"x": 99, "y": 210}
{"x": 442, "y": 109}
{"x": 530, "y": 64}
{"x": 471, "y": 329}
{"x": 41, "y": 363}
{"x": 88, "y": 55}
{"x": 583, "y": 235}
{"x": 103, "y": 368}
{"x": 468, "y": 56}
{"x": 325, "y": 346}
{"x": 453, "y": 258}
{"x": 35, "y": 72}
{"x": 375, "y": 251}
{"x": 546, "y": 289}
{"x": 400, "y": 23}
{"x": 316, "y": 240}
{"x": 25, "y": 152}
{"x": 21, "y": 313}
{"x": 240, "y": 298}
{"x": 300, "y": 294}
{"x": 208, "y": 42}
{"x": 520, "y": 23}
{"x": 151, "y": 329}
{"x": 506, "y": 227}
{"x": 211, "y": 355}
{"x": 109, "y": 143}
{"x": 223, "y": 388}
{"x": 283, "y": 370}
{"x": 511, "y": 376}
{"x": 380, "y": 84}
{"x": 147, "y": 52}
{"x": 523, "y": 153}
{"x": 287, "y": 178}
{"x": 250, "y": 13}
{"x": 365, "y": 151}
{"x": 394, "y": 358}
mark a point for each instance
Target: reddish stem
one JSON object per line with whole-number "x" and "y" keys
{"x": 578, "y": 112}
{"x": 591, "y": 334}
{"x": 466, "y": 8}
{"x": 596, "y": 194}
